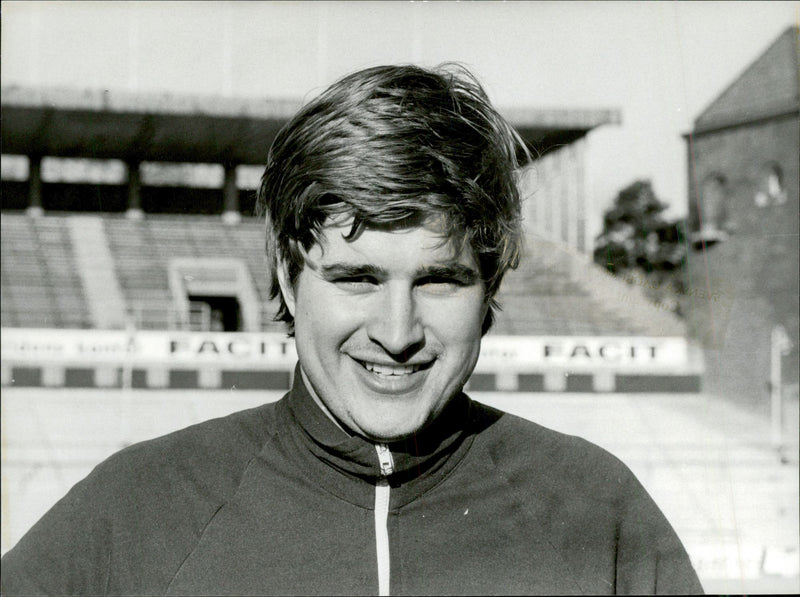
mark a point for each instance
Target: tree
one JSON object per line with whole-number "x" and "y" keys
{"x": 637, "y": 236}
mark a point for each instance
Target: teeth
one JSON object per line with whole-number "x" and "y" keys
{"x": 391, "y": 369}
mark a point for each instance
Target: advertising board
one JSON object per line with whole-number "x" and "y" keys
{"x": 277, "y": 351}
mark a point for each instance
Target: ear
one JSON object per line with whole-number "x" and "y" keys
{"x": 287, "y": 291}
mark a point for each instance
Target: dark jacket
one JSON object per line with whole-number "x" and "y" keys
{"x": 278, "y": 500}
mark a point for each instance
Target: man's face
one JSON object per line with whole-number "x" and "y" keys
{"x": 387, "y": 326}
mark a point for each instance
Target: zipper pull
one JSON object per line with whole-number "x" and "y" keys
{"x": 385, "y": 459}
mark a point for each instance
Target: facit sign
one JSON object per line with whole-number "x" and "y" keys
{"x": 277, "y": 351}
{"x": 577, "y": 353}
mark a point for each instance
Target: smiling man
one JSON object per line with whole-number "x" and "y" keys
{"x": 392, "y": 214}
{"x": 388, "y": 325}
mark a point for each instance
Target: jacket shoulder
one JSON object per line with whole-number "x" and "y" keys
{"x": 149, "y": 501}
{"x": 198, "y": 468}
{"x": 570, "y": 480}
{"x": 215, "y": 447}
{"x": 521, "y": 447}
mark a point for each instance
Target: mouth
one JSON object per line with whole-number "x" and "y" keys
{"x": 393, "y": 370}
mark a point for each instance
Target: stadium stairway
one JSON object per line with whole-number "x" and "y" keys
{"x": 97, "y": 272}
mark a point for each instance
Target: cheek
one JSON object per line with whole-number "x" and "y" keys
{"x": 323, "y": 317}
{"x": 459, "y": 322}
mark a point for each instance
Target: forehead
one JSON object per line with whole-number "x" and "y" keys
{"x": 411, "y": 244}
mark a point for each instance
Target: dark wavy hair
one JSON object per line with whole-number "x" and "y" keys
{"x": 390, "y": 144}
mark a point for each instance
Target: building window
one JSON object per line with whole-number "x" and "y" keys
{"x": 771, "y": 189}
{"x": 712, "y": 216}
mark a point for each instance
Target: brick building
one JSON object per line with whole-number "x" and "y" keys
{"x": 743, "y": 159}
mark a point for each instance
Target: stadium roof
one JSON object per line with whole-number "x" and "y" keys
{"x": 135, "y": 127}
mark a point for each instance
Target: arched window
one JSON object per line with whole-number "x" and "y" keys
{"x": 771, "y": 189}
{"x": 713, "y": 213}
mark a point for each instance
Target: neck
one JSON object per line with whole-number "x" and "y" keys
{"x": 320, "y": 403}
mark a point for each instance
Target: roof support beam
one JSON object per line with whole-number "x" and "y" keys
{"x": 35, "y": 185}
{"x": 230, "y": 196}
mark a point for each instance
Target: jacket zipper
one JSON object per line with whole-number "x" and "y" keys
{"x": 382, "y": 518}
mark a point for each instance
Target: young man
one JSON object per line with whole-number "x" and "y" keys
{"x": 392, "y": 215}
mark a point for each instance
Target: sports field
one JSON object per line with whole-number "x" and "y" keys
{"x": 712, "y": 468}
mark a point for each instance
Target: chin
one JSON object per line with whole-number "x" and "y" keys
{"x": 388, "y": 431}
{"x": 383, "y": 435}
{"x": 401, "y": 427}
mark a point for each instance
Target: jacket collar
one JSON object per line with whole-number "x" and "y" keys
{"x": 419, "y": 461}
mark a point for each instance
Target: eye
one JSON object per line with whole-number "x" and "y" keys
{"x": 355, "y": 283}
{"x": 441, "y": 284}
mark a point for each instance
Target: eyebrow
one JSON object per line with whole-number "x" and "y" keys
{"x": 457, "y": 271}
{"x": 346, "y": 270}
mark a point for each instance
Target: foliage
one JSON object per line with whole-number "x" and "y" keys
{"x": 637, "y": 236}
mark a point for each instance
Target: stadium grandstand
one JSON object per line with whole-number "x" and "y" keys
{"x": 128, "y": 211}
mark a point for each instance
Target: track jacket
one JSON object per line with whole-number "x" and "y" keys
{"x": 278, "y": 500}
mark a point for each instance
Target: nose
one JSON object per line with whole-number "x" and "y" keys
{"x": 395, "y": 323}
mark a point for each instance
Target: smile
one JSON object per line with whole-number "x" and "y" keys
{"x": 392, "y": 370}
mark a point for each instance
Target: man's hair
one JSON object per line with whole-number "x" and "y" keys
{"x": 391, "y": 144}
